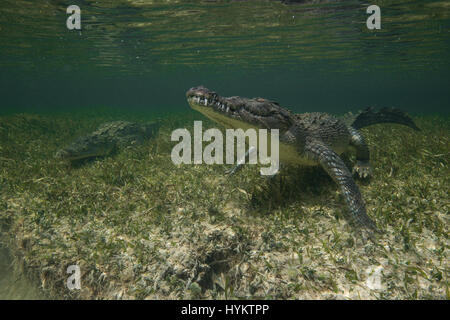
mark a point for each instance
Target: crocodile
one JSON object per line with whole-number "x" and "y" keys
{"x": 107, "y": 138}
{"x": 305, "y": 139}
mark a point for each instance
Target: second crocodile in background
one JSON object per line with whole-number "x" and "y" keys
{"x": 305, "y": 139}
{"x": 107, "y": 138}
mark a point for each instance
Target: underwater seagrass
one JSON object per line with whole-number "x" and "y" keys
{"x": 107, "y": 138}
{"x": 305, "y": 139}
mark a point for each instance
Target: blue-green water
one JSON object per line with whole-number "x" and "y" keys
{"x": 138, "y": 55}
{"x": 146, "y": 54}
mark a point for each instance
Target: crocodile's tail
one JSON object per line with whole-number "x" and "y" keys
{"x": 369, "y": 117}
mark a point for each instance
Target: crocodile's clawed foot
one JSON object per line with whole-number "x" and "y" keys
{"x": 363, "y": 169}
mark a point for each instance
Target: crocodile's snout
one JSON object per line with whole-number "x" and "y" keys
{"x": 200, "y": 91}
{"x": 202, "y": 96}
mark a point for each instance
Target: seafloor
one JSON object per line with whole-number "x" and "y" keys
{"x": 140, "y": 227}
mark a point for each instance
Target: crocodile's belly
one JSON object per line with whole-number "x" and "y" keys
{"x": 289, "y": 154}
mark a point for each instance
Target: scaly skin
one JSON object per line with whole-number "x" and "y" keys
{"x": 305, "y": 139}
{"x": 106, "y": 138}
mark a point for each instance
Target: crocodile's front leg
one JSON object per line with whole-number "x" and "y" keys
{"x": 333, "y": 164}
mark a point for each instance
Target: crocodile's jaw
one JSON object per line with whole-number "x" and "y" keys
{"x": 221, "y": 118}
{"x": 214, "y": 107}
{"x": 237, "y": 112}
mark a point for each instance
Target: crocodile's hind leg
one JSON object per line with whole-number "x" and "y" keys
{"x": 333, "y": 164}
{"x": 362, "y": 166}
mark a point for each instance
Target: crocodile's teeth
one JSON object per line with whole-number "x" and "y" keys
{"x": 228, "y": 109}
{"x": 206, "y": 102}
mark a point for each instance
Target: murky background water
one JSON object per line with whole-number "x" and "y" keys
{"x": 143, "y": 55}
